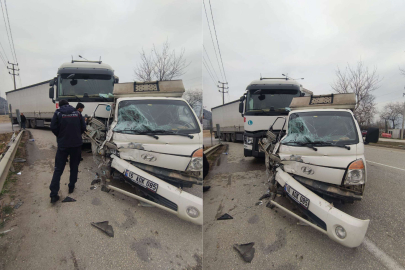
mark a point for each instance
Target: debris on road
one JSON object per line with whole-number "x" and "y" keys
{"x": 259, "y": 203}
{"x": 224, "y": 217}
{"x": 108, "y": 229}
{"x": 19, "y": 173}
{"x": 247, "y": 251}
{"x": 206, "y": 188}
{"x": 7, "y": 231}
{"x": 18, "y": 204}
{"x": 265, "y": 195}
{"x": 92, "y": 188}
{"x": 226, "y": 153}
{"x": 19, "y": 160}
{"x": 95, "y": 181}
{"x": 31, "y": 140}
{"x": 68, "y": 199}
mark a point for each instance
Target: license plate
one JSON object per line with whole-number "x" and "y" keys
{"x": 143, "y": 182}
{"x": 296, "y": 196}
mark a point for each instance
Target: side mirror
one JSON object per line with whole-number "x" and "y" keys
{"x": 372, "y": 135}
{"x": 116, "y": 80}
{"x": 51, "y": 82}
{"x": 51, "y": 93}
{"x": 242, "y": 98}
{"x": 241, "y": 107}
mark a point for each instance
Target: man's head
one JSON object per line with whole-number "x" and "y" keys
{"x": 22, "y": 114}
{"x": 80, "y": 107}
{"x": 63, "y": 102}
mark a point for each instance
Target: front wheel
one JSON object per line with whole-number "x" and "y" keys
{"x": 33, "y": 123}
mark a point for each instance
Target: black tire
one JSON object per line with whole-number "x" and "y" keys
{"x": 33, "y": 123}
{"x": 223, "y": 137}
{"x": 228, "y": 137}
{"x": 233, "y": 137}
{"x": 206, "y": 166}
{"x": 28, "y": 123}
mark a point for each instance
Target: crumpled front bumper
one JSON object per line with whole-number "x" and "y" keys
{"x": 182, "y": 199}
{"x": 355, "y": 228}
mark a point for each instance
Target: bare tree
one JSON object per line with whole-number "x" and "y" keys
{"x": 392, "y": 112}
{"x": 361, "y": 81}
{"x": 163, "y": 65}
{"x": 195, "y": 99}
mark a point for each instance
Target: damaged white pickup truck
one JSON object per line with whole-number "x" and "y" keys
{"x": 152, "y": 141}
{"x": 319, "y": 160}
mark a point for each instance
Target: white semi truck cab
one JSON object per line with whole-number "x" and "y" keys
{"x": 319, "y": 160}
{"x": 88, "y": 82}
{"x": 153, "y": 142}
{"x": 264, "y": 101}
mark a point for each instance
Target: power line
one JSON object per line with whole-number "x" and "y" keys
{"x": 208, "y": 67}
{"x": 213, "y": 81}
{"x": 211, "y": 63}
{"x": 213, "y": 22}
{"x": 11, "y": 33}
{"x": 212, "y": 39}
{"x": 5, "y": 25}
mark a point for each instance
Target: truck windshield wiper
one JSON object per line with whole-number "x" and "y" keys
{"x": 330, "y": 144}
{"x": 303, "y": 144}
{"x": 173, "y": 133}
{"x": 140, "y": 133}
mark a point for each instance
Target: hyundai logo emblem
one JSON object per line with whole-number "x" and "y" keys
{"x": 148, "y": 157}
{"x": 307, "y": 170}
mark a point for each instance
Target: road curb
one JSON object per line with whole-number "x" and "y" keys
{"x": 8, "y": 158}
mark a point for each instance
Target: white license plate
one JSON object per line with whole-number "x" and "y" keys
{"x": 296, "y": 196}
{"x": 143, "y": 182}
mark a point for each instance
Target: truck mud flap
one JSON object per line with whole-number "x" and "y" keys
{"x": 332, "y": 219}
{"x": 189, "y": 207}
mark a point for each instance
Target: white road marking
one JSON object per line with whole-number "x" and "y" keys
{"x": 386, "y": 260}
{"x": 385, "y": 165}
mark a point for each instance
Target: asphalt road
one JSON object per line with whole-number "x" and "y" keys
{"x": 280, "y": 243}
{"x": 60, "y": 236}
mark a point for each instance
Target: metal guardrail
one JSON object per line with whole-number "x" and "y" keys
{"x": 209, "y": 150}
{"x": 8, "y": 158}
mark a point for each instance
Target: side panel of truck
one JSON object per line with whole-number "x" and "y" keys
{"x": 33, "y": 101}
{"x": 229, "y": 120}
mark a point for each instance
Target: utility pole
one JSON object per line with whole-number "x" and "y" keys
{"x": 13, "y": 69}
{"x": 403, "y": 119}
{"x": 223, "y": 91}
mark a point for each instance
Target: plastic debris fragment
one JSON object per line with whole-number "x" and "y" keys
{"x": 103, "y": 226}
{"x": 247, "y": 251}
{"x": 206, "y": 188}
{"x": 68, "y": 199}
{"x": 225, "y": 216}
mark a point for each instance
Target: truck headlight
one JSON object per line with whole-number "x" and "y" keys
{"x": 356, "y": 173}
{"x": 248, "y": 140}
{"x": 196, "y": 162}
{"x": 192, "y": 212}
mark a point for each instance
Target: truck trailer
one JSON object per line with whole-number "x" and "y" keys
{"x": 88, "y": 82}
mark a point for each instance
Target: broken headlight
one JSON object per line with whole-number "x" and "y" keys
{"x": 356, "y": 173}
{"x": 196, "y": 162}
{"x": 248, "y": 140}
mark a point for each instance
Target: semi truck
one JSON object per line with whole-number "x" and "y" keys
{"x": 88, "y": 82}
{"x": 319, "y": 161}
{"x": 151, "y": 141}
{"x": 249, "y": 118}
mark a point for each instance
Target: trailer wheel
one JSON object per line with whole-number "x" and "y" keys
{"x": 223, "y": 137}
{"x": 228, "y": 137}
{"x": 233, "y": 137}
{"x": 28, "y": 123}
{"x": 33, "y": 123}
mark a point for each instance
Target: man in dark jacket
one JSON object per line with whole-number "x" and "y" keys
{"x": 67, "y": 125}
{"x": 23, "y": 120}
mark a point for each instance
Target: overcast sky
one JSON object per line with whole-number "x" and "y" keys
{"x": 46, "y": 33}
{"x": 308, "y": 39}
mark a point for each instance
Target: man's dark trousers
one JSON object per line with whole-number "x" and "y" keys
{"x": 62, "y": 154}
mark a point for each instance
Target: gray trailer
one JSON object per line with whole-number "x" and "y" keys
{"x": 230, "y": 121}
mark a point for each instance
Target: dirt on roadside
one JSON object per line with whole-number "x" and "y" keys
{"x": 395, "y": 145}
{"x": 9, "y": 197}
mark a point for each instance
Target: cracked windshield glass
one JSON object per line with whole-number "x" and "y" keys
{"x": 266, "y": 101}
{"x": 321, "y": 127}
{"x": 155, "y": 116}
{"x": 95, "y": 85}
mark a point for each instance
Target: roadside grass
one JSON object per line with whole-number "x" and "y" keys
{"x": 396, "y": 145}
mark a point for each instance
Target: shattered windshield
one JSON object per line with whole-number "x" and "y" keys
{"x": 321, "y": 127}
{"x": 78, "y": 84}
{"x": 156, "y": 116}
{"x": 269, "y": 101}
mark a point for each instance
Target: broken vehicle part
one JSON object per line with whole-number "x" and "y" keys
{"x": 339, "y": 226}
{"x": 247, "y": 251}
{"x": 68, "y": 199}
{"x": 103, "y": 226}
{"x": 225, "y": 216}
{"x": 171, "y": 198}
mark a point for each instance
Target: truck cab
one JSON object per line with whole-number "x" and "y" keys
{"x": 152, "y": 141}
{"x": 263, "y": 102}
